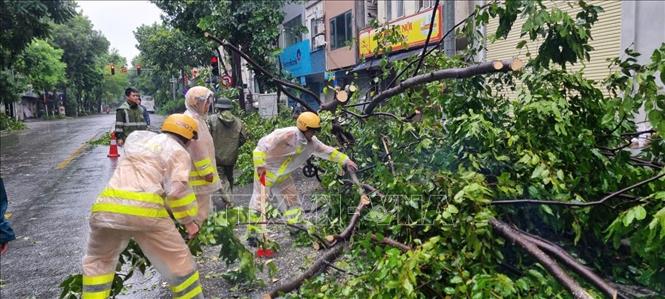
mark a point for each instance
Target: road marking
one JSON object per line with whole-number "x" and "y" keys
{"x": 71, "y": 157}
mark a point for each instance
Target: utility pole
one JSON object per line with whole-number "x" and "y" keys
{"x": 449, "y": 45}
{"x": 173, "y": 81}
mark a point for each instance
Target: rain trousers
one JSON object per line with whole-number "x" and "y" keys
{"x": 281, "y": 152}
{"x": 149, "y": 182}
{"x": 202, "y": 151}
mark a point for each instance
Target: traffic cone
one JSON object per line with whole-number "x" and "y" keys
{"x": 113, "y": 150}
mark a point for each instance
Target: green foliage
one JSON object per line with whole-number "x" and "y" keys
{"x": 231, "y": 20}
{"x": 23, "y": 21}
{"x": 105, "y": 139}
{"x": 84, "y": 54}
{"x": 489, "y": 138}
{"x": 40, "y": 64}
{"x": 8, "y": 123}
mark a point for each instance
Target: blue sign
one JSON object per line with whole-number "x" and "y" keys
{"x": 296, "y": 59}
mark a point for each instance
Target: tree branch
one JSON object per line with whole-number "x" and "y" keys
{"x": 474, "y": 70}
{"x": 577, "y": 203}
{"x": 559, "y": 274}
{"x": 390, "y": 242}
{"x": 263, "y": 70}
{"x": 563, "y": 256}
{"x": 429, "y": 34}
{"x": 451, "y": 30}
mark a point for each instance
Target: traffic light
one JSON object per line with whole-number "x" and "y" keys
{"x": 138, "y": 70}
{"x": 214, "y": 63}
{"x": 112, "y": 69}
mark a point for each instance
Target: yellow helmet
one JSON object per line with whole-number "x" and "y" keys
{"x": 181, "y": 125}
{"x": 308, "y": 120}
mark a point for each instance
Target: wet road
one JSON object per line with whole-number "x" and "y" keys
{"x": 52, "y": 177}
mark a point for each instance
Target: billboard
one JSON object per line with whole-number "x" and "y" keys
{"x": 296, "y": 59}
{"x": 414, "y": 28}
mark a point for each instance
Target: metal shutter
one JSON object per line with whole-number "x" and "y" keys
{"x": 606, "y": 34}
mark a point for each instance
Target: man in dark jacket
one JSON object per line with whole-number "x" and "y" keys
{"x": 6, "y": 232}
{"x": 129, "y": 116}
{"x": 146, "y": 114}
{"x": 228, "y": 134}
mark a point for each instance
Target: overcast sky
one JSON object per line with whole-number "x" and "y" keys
{"x": 117, "y": 20}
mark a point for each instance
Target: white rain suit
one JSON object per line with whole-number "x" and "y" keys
{"x": 197, "y": 101}
{"x": 281, "y": 152}
{"x": 149, "y": 182}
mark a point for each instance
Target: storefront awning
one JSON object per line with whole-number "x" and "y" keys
{"x": 375, "y": 63}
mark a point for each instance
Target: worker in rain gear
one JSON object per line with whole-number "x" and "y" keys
{"x": 204, "y": 178}
{"x": 129, "y": 116}
{"x": 285, "y": 150}
{"x": 229, "y": 134}
{"x": 149, "y": 182}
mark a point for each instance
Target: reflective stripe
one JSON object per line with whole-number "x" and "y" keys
{"x": 183, "y": 201}
{"x": 134, "y": 124}
{"x": 97, "y": 287}
{"x": 193, "y": 278}
{"x": 201, "y": 163}
{"x": 259, "y": 157}
{"x": 188, "y": 213}
{"x": 208, "y": 170}
{"x": 284, "y": 166}
{"x": 129, "y": 210}
{"x": 99, "y": 279}
{"x": 337, "y": 156}
{"x": 96, "y": 295}
{"x": 119, "y": 123}
{"x": 298, "y": 150}
{"x": 131, "y": 195}
{"x": 191, "y": 294}
{"x": 201, "y": 182}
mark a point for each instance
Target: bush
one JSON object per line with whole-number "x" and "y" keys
{"x": 8, "y": 123}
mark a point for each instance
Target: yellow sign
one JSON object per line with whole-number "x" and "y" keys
{"x": 414, "y": 28}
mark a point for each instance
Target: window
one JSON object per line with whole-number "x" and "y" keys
{"x": 340, "y": 30}
{"x": 292, "y": 33}
{"x": 400, "y": 8}
{"x": 389, "y": 10}
{"x": 424, "y": 4}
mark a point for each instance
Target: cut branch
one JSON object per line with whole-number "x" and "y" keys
{"x": 577, "y": 203}
{"x": 319, "y": 265}
{"x": 390, "y": 242}
{"x": 474, "y": 70}
{"x": 563, "y": 256}
{"x": 328, "y": 257}
{"x": 559, "y": 274}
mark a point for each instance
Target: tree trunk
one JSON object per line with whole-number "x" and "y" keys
{"x": 236, "y": 70}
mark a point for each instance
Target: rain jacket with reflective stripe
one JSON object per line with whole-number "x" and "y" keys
{"x": 149, "y": 181}
{"x": 286, "y": 149}
{"x": 203, "y": 162}
{"x": 128, "y": 119}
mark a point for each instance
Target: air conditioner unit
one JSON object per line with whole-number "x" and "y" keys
{"x": 319, "y": 41}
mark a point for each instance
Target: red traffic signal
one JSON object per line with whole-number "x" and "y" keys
{"x": 138, "y": 70}
{"x": 215, "y": 65}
